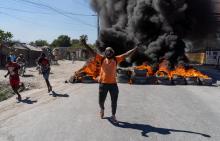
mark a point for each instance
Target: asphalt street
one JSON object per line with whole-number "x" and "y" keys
{"x": 145, "y": 112}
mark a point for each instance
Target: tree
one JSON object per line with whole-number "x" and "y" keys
{"x": 41, "y": 43}
{"x": 5, "y": 36}
{"x": 75, "y": 41}
{"x": 83, "y": 37}
{"x": 62, "y": 41}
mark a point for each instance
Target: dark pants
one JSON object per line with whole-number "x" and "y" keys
{"x": 113, "y": 90}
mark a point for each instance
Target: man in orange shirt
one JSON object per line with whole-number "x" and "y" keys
{"x": 107, "y": 75}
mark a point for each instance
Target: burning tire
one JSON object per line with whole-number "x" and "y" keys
{"x": 88, "y": 79}
{"x": 123, "y": 79}
{"x": 140, "y": 73}
{"x": 123, "y": 75}
{"x": 206, "y": 81}
{"x": 192, "y": 80}
{"x": 163, "y": 78}
{"x": 144, "y": 80}
{"x": 164, "y": 81}
{"x": 140, "y": 76}
{"x": 178, "y": 80}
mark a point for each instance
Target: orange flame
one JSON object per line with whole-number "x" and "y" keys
{"x": 164, "y": 70}
{"x": 183, "y": 72}
{"x": 195, "y": 73}
{"x": 91, "y": 68}
{"x": 179, "y": 71}
{"x": 146, "y": 67}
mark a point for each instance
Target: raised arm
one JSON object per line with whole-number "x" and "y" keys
{"x": 83, "y": 42}
{"x": 130, "y": 52}
{"x": 7, "y": 74}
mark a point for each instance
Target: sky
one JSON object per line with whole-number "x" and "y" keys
{"x": 30, "y": 20}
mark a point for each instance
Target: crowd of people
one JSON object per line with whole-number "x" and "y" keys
{"x": 16, "y": 67}
{"x": 107, "y": 76}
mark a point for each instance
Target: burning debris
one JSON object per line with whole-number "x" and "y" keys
{"x": 160, "y": 29}
{"x": 87, "y": 74}
{"x": 144, "y": 74}
{"x": 123, "y": 75}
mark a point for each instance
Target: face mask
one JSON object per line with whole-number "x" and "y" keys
{"x": 109, "y": 54}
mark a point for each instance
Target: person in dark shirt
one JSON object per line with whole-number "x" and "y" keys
{"x": 15, "y": 83}
{"x": 22, "y": 62}
{"x": 45, "y": 69}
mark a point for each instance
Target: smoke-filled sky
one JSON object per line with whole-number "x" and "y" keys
{"x": 160, "y": 26}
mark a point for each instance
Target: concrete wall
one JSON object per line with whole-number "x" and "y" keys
{"x": 212, "y": 57}
{"x": 198, "y": 58}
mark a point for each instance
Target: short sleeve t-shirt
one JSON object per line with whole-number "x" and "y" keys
{"x": 13, "y": 69}
{"x": 108, "y": 68}
{"x": 45, "y": 65}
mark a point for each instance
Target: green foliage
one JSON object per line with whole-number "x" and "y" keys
{"x": 5, "y": 36}
{"x": 5, "y": 92}
{"x": 62, "y": 41}
{"x": 75, "y": 41}
{"x": 83, "y": 37}
{"x": 39, "y": 43}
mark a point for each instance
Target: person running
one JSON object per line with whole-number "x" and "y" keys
{"x": 45, "y": 69}
{"x": 21, "y": 61}
{"x": 12, "y": 56}
{"x": 107, "y": 80}
{"x": 15, "y": 83}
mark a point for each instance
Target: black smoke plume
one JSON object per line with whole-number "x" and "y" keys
{"x": 159, "y": 26}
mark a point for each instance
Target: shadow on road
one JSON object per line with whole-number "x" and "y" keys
{"x": 145, "y": 129}
{"x": 54, "y": 94}
{"x": 28, "y": 75}
{"x": 28, "y": 101}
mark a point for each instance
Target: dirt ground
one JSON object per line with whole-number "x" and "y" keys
{"x": 33, "y": 80}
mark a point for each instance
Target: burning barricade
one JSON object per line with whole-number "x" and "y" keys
{"x": 181, "y": 76}
{"x": 163, "y": 74}
{"x": 87, "y": 74}
{"x": 123, "y": 75}
{"x": 144, "y": 74}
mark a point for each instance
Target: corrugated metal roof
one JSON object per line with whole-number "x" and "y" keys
{"x": 19, "y": 46}
{"x": 30, "y": 47}
{"x": 23, "y": 46}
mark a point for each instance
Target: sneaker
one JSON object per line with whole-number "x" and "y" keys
{"x": 113, "y": 118}
{"x": 102, "y": 114}
{"x": 19, "y": 98}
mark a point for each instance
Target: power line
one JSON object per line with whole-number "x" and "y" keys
{"x": 57, "y": 11}
{"x": 34, "y": 12}
{"x": 18, "y": 18}
{"x": 24, "y": 11}
{"x": 27, "y": 21}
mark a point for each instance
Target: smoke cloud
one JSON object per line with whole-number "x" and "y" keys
{"x": 159, "y": 26}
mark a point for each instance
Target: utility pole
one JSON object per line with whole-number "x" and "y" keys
{"x": 98, "y": 25}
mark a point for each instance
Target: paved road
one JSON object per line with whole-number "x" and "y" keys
{"x": 146, "y": 112}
